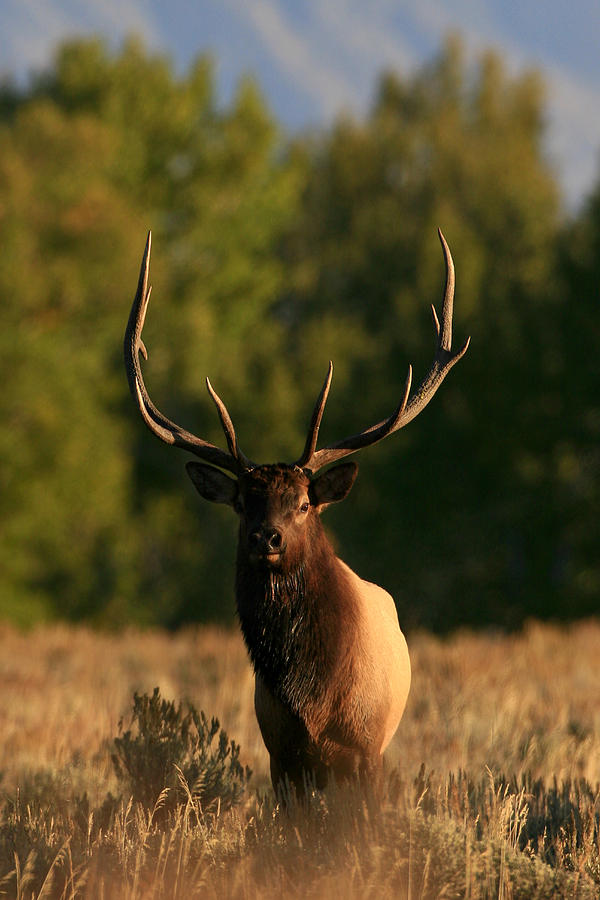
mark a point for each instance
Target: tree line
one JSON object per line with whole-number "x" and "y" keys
{"x": 272, "y": 254}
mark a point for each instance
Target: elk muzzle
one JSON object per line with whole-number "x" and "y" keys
{"x": 266, "y": 544}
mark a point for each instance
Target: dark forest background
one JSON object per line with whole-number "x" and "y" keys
{"x": 272, "y": 254}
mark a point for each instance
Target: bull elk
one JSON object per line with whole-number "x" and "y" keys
{"x": 332, "y": 670}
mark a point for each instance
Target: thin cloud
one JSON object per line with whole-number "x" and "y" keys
{"x": 312, "y": 72}
{"x": 365, "y": 41}
{"x": 32, "y": 28}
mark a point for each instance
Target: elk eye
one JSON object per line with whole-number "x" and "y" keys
{"x": 305, "y": 507}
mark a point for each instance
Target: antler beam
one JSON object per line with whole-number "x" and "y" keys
{"x": 233, "y": 461}
{"x": 313, "y": 459}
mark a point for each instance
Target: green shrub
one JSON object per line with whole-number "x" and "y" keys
{"x": 177, "y": 749}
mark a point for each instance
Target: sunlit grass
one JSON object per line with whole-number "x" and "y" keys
{"x": 491, "y": 787}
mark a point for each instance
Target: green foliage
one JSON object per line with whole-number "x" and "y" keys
{"x": 465, "y": 525}
{"x": 577, "y": 455}
{"x": 94, "y": 520}
{"x": 272, "y": 256}
{"x": 178, "y": 750}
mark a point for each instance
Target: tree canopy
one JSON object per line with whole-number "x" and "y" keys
{"x": 273, "y": 254}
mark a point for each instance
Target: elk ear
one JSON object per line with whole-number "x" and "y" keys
{"x": 212, "y": 484}
{"x": 333, "y": 485}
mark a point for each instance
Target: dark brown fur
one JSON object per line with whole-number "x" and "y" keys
{"x": 296, "y": 614}
{"x": 299, "y": 620}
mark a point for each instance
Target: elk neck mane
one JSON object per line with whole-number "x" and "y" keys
{"x": 296, "y": 624}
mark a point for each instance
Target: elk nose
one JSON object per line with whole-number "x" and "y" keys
{"x": 267, "y": 540}
{"x": 274, "y": 539}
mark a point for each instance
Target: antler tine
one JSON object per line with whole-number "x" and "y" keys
{"x": 160, "y": 425}
{"x": 228, "y": 428}
{"x": 407, "y": 410}
{"x": 445, "y": 333}
{"x": 372, "y": 435}
{"x": 315, "y": 422}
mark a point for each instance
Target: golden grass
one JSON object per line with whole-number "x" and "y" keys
{"x": 484, "y": 705}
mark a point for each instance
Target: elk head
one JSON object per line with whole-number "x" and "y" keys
{"x": 279, "y": 505}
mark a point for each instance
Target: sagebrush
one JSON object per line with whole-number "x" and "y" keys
{"x": 491, "y": 788}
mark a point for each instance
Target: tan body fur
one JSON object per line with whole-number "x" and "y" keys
{"x": 348, "y": 730}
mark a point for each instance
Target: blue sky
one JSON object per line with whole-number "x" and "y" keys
{"x": 314, "y": 58}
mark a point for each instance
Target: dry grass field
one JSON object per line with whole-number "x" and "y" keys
{"x": 491, "y": 791}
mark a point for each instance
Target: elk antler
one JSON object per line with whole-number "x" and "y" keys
{"x": 168, "y": 431}
{"x": 313, "y": 459}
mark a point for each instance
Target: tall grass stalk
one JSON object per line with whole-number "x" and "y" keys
{"x": 491, "y": 787}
